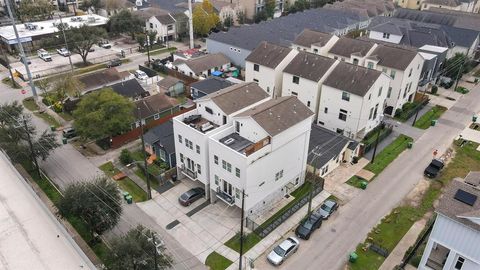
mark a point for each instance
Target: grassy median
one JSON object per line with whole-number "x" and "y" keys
{"x": 217, "y": 262}
{"x": 434, "y": 113}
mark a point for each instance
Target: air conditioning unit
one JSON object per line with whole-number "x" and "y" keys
{"x": 206, "y": 126}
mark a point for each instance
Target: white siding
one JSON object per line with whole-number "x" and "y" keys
{"x": 379, "y": 36}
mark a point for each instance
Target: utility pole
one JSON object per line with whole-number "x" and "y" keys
{"x": 149, "y": 191}
{"x": 66, "y": 44}
{"x": 22, "y": 52}
{"x": 148, "y": 47}
{"x": 155, "y": 251}
{"x": 32, "y": 151}
{"x": 190, "y": 23}
{"x": 460, "y": 70}
{"x": 418, "y": 108}
{"x": 241, "y": 231}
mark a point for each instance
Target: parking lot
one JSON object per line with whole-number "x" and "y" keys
{"x": 199, "y": 232}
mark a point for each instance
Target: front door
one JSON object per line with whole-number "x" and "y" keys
{"x": 227, "y": 188}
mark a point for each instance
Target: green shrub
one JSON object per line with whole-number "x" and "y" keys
{"x": 434, "y": 89}
{"x": 126, "y": 157}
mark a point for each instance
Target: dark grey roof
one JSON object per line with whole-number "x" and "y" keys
{"x": 211, "y": 85}
{"x": 268, "y": 54}
{"x": 172, "y": 6}
{"x": 130, "y": 88}
{"x": 283, "y": 30}
{"x": 451, "y": 3}
{"x": 162, "y": 134}
{"x": 388, "y": 27}
{"x": 279, "y": 114}
{"x": 456, "y": 210}
{"x": 309, "y": 37}
{"x": 353, "y": 145}
{"x": 393, "y": 57}
{"x": 348, "y": 46}
{"x": 238, "y": 143}
{"x": 165, "y": 19}
{"x": 352, "y": 78}
{"x": 324, "y": 145}
{"x": 205, "y": 62}
{"x": 152, "y": 105}
{"x": 459, "y": 19}
{"x": 309, "y": 66}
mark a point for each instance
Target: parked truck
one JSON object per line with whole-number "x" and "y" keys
{"x": 44, "y": 55}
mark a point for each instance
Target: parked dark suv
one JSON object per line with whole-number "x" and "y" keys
{"x": 308, "y": 226}
{"x": 69, "y": 133}
{"x": 114, "y": 63}
{"x": 434, "y": 168}
{"x": 191, "y": 196}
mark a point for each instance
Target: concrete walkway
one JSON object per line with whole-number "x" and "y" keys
{"x": 408, "y": 240}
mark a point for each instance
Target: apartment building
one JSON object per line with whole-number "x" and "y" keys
{"x": 314, "y": 42}
{"x": 352, "y": 100}
{"x": 353, "y": 51}
{"x": 263, "y": 152}
{"x": 164, "y": 25}
{"x": 455, "y": 237}
{"x": 265, "y": 66}
{"x": 214, "y": 112}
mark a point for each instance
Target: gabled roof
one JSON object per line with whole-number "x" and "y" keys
{"x": 153, "y": 104}
{"x": 162, "y": 134}
{"x": 102, "y": 78}
{"x": 309, "y": 37}
{"x": 348, "y": 46}
{"x": 205, "y": 62}
{"x": 168, "y": 82}
{"x": 393, "y": 57}
{"x": 352, "y": 78}
{"x": 130, "y": 88}
{"x": 236, "y": 97}
{"x": 268, "y": 54}
{"x": 278, "y": 115}
{"x": 165, "y": 19}
{"x": 325, "y": 145}
{"x": 211, "y": 85}
{"x": 387, "y": 27}
{"x": 450, "y": 3}
{"x": 309, "y": 66}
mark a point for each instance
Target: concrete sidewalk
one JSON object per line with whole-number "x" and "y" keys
{"x": 408, "y": 240}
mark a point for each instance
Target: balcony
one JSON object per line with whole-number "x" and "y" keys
{"x": 191, "y": 174}
{"x": 199, "y": 123}
{"x": 438, "y": 257}
{"x": 230, "y": 200}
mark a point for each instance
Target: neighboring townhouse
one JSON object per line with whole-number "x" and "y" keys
{"x": 434, "y": 58}
{"x": 164, "y": 25}
{"x": 263, "y": 152}
{"x": 303, "y": 78}
{"x": 265, "y": 66}
{"x": 159, "y": 141}
{"x": 404, "y": 66}
{"x": 454, "y": 240}
{"x": 208, "y": 86}
{"x": 171, "y": 86}
{"x": 460, "y": 5}
{"x": 202, "y": 66}
{"x": 353, "y": 51}
{"x": 370, "y": 8}
{"x": 328, "y": 150}
{"x": 458, "y": 19}
{"x": 130, "y": 89}
{"x": 410, "y": 4}
{"x": 214, "y": 112}
{"x": 352, "y": 100}
{"x": 314, "y": 42}
{"x": 153, "y": 108}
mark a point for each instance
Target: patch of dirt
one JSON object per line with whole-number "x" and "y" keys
{"x": 415, "y": 196}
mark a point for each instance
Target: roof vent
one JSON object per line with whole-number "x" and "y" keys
{"x": 229, "y": 141}
{"x": 465, "y": 197}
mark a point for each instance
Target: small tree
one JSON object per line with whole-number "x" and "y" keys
{"x": 270, "y": 8}
{"x": 152, "y": 37}
{"x": 67, "y": 85}
{"x": 102, "y": 114}
{"x": 204, "y": 18}
{"x": 81, "y": 39}
{"x": 139, "y": 249}
{"x": 141, "y": 40}
{"x": 98, "y": 203}
{"x": 126, "y": 22}
{"x": 126, "y": 157}
{"x": 260, "y": 16}
{"x": 240, "y": 16}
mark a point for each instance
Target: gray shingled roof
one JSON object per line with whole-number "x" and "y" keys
{"x": 168, "y": 82}
{"x": 451, "y": 3}
{"x": 211, "y": 85}
{"x": 130, "y": 88}
{"x": 348, "y": 46}
{"x": 388, "y": 27}
{"x": 457, "y": 210}
{"x": 162, "y": 134}
{"x": 154, "y": 104}
{"x": 165, "y": 19}
{"x": 352, "y": 78}
{"x": 268, "y": 54}
{"x": 278, "y": 115}
{"x": 237, "y": 97}
{"x": 309, "y": 37}
{"x": 325, "y": 144}
{"x": 203, "y": 63}
{"x": 393, "y": 57}
{"x": 283, "y": 30}
{"x": 309, "y": 66}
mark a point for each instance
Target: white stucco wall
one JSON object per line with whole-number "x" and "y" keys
{"x": 379, "y": 36}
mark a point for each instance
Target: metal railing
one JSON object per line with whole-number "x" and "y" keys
{"x": 227, "y": 198}
{"x": 188, "y": 172}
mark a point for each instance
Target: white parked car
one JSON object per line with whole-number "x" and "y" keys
{"x": 140, "y": 75}
{"x": 63, "y": 52}
{"x": 281, "y": 252}
{"x": 44, "y": 55}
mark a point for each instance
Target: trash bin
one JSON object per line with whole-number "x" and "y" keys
{"x": 53, "y": 128}
{"x": 129, "y": 199}
{"x": 410, "y": 145}
{"x": 474, "y": 118}
{"x": 64, "y": 140}
{"x": 125, "y": 194}
{"x": 174, "y": 177}
{"x": 364, "y": 184}
{"x": 433, "y": 123}
{"x": 353, "y": 257}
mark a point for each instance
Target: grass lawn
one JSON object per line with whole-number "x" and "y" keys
{"x": 389, "y": 154}
{"x": 126, "y": 184}
{"x": 48, "y": 118}
{"x": 153, "y": 182}
{"x": 355, "y": 181}
{"x": 217, "y": 262}
{"x": 9, "y": 82}
{"x": 29, "y": 104}
{"x": 434, "y": 113}
{"x": 160, "y": 51}
{"x": 462, "y": 90}
{"x": 394, "y": 226}
{"x": 137, "y": 155}
{"x": 66, "y": 116}
{"x": 249, "y": 241}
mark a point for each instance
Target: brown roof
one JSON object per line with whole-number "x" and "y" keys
{"x": 348, "y": 46}
{"x": 203, "y": 63}
{"x": 278, "y": 115}
{"x": 168, "y": 82}
{"x": 309, "y": 37}
{"x": 237, "y": 96}
{"x": 165, "y": 19}
{"x": 457, "y": 210}
{"x": 352, "y": 78}
{"x": 309, "y": 66}
{"x": 393, "y": 57}
{"x": 154, "y": 104}
{"x": 268, "y": 54}
{"x": 102, "y": 78}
